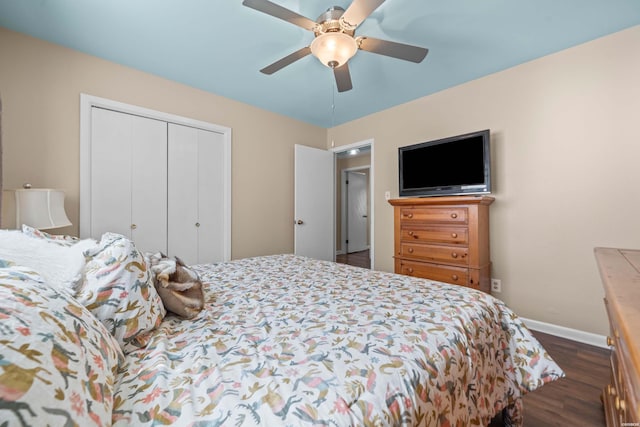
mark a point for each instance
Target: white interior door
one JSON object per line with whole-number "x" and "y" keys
{"x": 356, "y": 212}
{"x": 183, "y": 193}
{"x": 196, "y": 196}
{"x": 110, "y": 146}
{"x": 314, "y": 203}
{"x": 128, "y": 176}
{"x": 148, "y": 189}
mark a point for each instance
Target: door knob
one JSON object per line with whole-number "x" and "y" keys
{"x": 299, "y": 222}
{"x": 133, "y": 226}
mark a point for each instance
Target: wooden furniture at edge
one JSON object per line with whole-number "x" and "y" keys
{"x": 620, "y": 273}
{"x": 444, "y": 239}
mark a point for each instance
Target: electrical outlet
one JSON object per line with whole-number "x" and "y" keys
{"x": 496, "y": 285}
{"x": 387, "y": 195}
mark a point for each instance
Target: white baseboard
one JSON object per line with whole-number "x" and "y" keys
{"x": 568, "y": 333}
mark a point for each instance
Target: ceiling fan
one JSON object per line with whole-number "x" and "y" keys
{"x": 335, "y": 41}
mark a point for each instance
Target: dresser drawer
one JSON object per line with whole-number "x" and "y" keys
{"x": 435, "y": 234}
{"x": 432, "y": 253}
{"x": 457, "y": 215}
{"x": 439, "y": 273}
{"x": 611, "y": 415}
{"x": 625, "y": 380}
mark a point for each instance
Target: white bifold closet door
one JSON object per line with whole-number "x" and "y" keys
{"x": 196, "y": 202}
{"x": 128, "y": 178}
{"x": 160, "y": 184}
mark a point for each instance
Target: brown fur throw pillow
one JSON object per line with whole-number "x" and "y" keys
{"x": 179, "y": 287}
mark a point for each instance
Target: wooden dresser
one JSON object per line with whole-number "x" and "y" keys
{"x": 444, "y": 239}
{"x": 620, "y": 272}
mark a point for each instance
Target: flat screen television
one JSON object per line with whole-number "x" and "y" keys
{"x": 455, "y": 165}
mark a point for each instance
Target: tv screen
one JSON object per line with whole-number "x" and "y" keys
{"x": 456, "y": 165}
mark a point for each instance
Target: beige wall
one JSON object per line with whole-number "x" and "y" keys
{"x": 566, "y": 157}
{"x": 40, "y": 84}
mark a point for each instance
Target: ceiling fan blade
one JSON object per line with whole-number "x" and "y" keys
{"x": 343, "y": 78}
{"x": 289, "y": 59}
{"x": 359, "y": 10}
{"x": 395, "y": 50}
{"x": 265, "y": 6}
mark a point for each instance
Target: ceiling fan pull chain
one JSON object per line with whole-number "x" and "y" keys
{"x": 333, "y": 103}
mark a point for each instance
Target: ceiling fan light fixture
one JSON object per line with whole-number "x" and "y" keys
{"x": 334, "y": 49}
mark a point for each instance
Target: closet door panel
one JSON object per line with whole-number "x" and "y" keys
{"x": 211, "y": 187}
{"x": 183, "y": 193}
{"x": 149, "y": 189}
{"x": 110, "y": 173}
{"x": 128, "y": 178}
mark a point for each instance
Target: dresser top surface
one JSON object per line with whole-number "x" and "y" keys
{"x": 442, "y": 200}
{"x": 620, "y": 272}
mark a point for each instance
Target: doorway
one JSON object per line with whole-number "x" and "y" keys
{"x": 354, "y": 208}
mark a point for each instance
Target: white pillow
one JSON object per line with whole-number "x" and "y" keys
{"x": 61, "y": 266}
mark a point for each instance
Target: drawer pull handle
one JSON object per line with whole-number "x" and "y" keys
{"x": 454, "y": 277}
{"x": 454, "y": 235}
{"x": 411, "y": 233}
{"x": 410, "y": 250}
{"x": 409, "y": 215}
{"x": 410, "y": 270}
{"x": 454, "y": 255}
{"x": 454, "y": 215}
{"x": 610, "y": 342}
{"x": 620, "y": 405}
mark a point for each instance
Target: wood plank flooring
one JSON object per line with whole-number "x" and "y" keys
{"x": 357, "y": 259}
{"x": 570, "y": 401}
{"x": 575, "y": 399}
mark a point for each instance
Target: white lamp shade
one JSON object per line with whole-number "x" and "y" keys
{"x": 334, "y": 49}
{"x": 41, "y": 208}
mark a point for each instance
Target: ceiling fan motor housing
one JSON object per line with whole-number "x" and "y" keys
{"x": 334, "y": 44}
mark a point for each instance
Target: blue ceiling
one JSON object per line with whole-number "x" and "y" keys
{"x": 219, "y": 45}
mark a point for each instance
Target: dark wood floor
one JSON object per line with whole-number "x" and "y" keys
{"x": 570, "y": 401}
{"x": 357, "y": 259}
{"x": 575, "y": 399}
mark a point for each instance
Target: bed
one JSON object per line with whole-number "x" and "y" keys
{"x": 282, "y": 341}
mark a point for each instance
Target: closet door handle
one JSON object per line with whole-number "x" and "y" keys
{"x": 133, "y": 226}
{"x": 197, "y": 224}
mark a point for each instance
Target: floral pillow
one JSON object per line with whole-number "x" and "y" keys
{"x": 118, "y": 289}
{"x": 57, "y": 239}
{"x": 58, "y": 363}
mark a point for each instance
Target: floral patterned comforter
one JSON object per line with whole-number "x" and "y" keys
{"x": 289, "y": 341}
